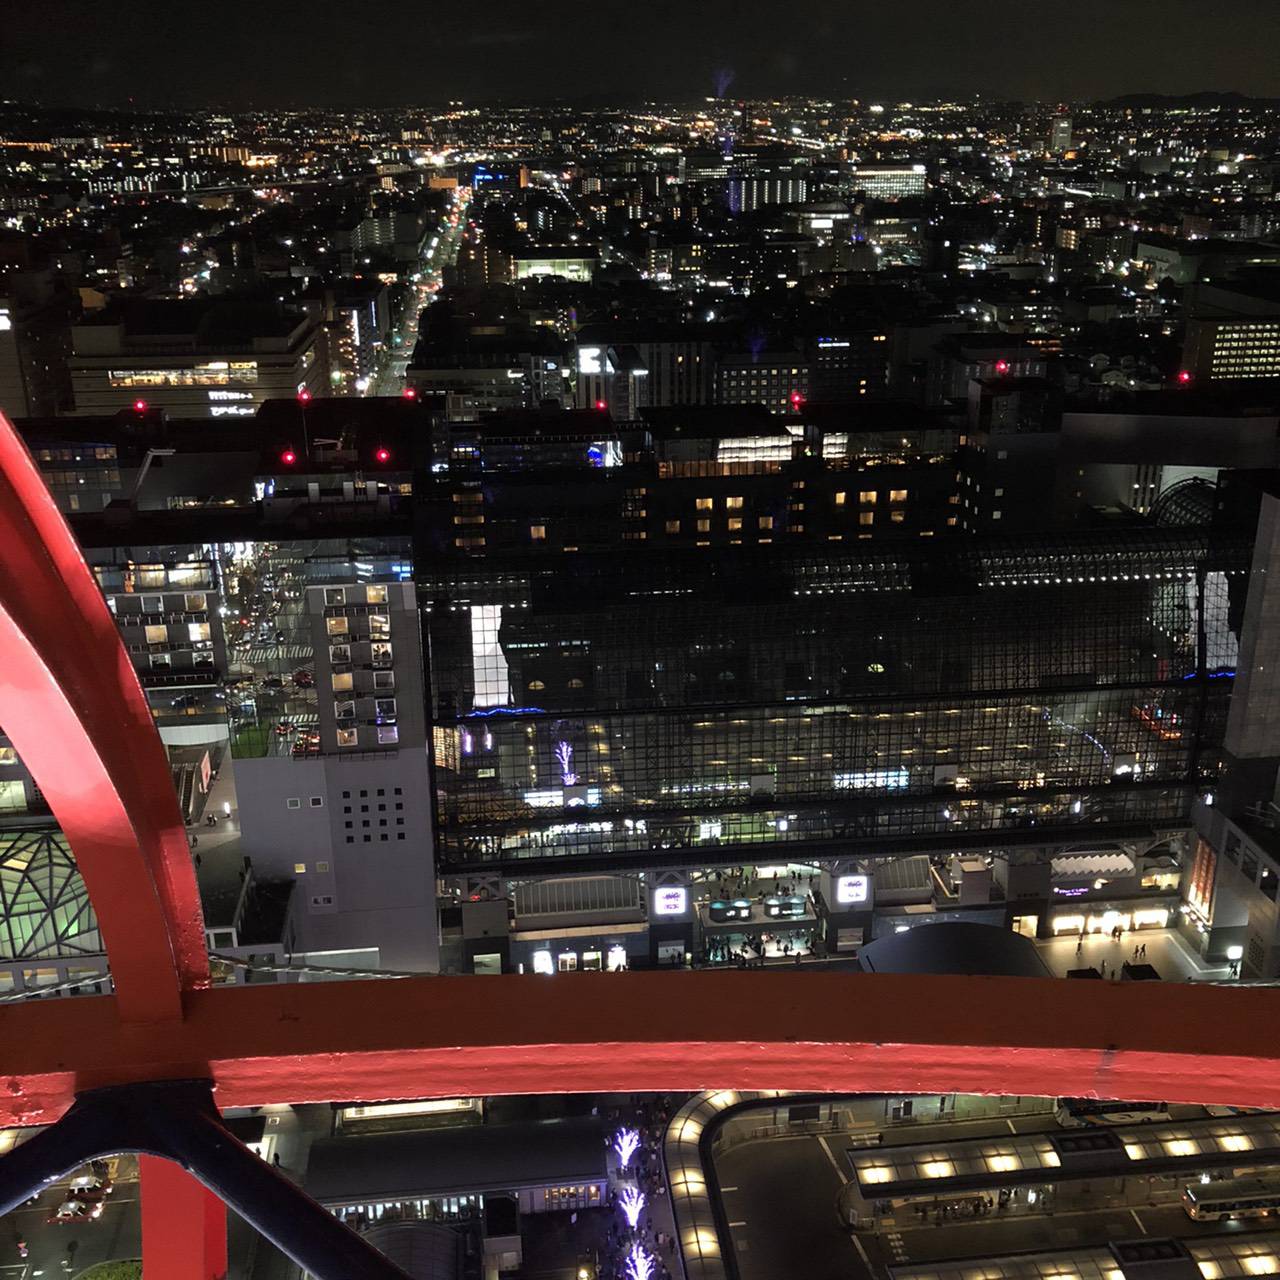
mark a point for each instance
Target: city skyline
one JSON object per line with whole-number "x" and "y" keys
{"x": 931, "y": 50}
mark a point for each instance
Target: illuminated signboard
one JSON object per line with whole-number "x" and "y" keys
{"x": 850, "y": 889}
{"x": 670, "y": 900}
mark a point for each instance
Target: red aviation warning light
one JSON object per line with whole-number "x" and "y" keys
{"x": 411, "y": 393}
{"x": 382, "y": 455}
{"x": 303, "y": 396}
{"x": 1184, "y": 377}
{"x": 139, "y": 406}
{"x": 1002, "y": 366}
{"x": 288, "y": 457}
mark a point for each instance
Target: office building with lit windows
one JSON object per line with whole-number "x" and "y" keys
{"x": 836, "y": 711}
{"x": 194, "y": 359}
{"x": 1233, "y": 330}
{"x": 889, "y": 181}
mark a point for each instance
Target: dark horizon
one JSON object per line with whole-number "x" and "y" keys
{"x": 293, "y": 56}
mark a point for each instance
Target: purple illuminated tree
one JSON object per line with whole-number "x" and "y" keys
{"x": 564, "y": 757}
{"x": 632, "y": 1202}
{"x": 626, "y": 1142}
{"x": 639, "y": 1263}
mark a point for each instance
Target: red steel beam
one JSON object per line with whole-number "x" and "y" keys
{"x": 411, "y": 1038}
{"x": 184, "y": 1225}
{"x": 72, "y": 706}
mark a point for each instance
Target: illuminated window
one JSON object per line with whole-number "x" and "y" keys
{"x": 673, "y": 526}
{"x": 336, "y": 626}
{"x": 387, "y": 735}
{"x": 705, "y": 504}
{"x": 735, "y": 522}
{"x": 867, "y": 497}
{"x": 897, "y": 495}
{"x": 197, "y": 631}
{"x": 897, "y": 517}
{"x": 537, "y": 533}
{"x": 157, "y": 635}
{"x": 841, "y": 496}
{"x": 765, "y": 522}
{"x": 379, "y": 626}
{"x": 866, "y": 517}
{"x": 381, "y": 654}
{"x": 704, "y": 526}
{"x": 342, "y": 682}
{"x": 194, "y": 603}
{"x": 348, "y": 738}
{"x": 733, "y": 504}
{"x": 376, "y": 595}
{"x": 537, "y": 686}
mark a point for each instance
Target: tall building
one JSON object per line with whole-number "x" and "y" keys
{"x": 1233, "y": 329}
{"x": 889, "y": 181}
{"x": 1060, "y": 134}
{"x": 767, "y": 183}
{"x": 194, "y": 358}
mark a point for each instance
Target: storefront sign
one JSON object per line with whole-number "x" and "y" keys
{"x": 670, "y": 900}
{"x": 851, "y": 889}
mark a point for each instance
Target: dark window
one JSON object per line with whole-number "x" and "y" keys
{"x": 399, "y": 806}
{"x": 1249, "y": 865}
{"x": 381, "y": 792}
{"x": 382, "y": 837}
{"x": 397, "y": 791}
{"x": 347, "y": 825}
{"x": 346, "y": 808}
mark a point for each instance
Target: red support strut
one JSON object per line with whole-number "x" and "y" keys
{"x": 184, "y": 1225}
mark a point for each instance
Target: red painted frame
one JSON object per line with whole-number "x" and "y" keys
{"x": 72, "y": 705}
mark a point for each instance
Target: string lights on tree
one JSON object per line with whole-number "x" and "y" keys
{"x": 626, "y": 1142}
{"x": 640, "y": 1264}
{"x": 632, "y": 1202}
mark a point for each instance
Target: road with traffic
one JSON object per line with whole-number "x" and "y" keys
{"x": 442, "y": 252}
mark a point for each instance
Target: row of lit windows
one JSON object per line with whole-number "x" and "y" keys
{"x": 373, "y": 594}
{"x": 388, "y": 735}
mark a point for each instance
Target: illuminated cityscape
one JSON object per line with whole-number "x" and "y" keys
{"x": 791, "y": 534}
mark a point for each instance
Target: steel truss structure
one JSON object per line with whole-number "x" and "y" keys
{"x": 599, "y": 712}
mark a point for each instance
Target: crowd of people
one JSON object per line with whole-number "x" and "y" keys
{"x": 648, "y": 1117}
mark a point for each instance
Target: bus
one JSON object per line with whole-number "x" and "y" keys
{"x": 1232, "y": 1198}
{"x": 1074, "y": 1113}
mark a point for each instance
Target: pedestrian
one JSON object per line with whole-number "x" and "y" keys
{"x": 1079, "y": 946}
{"x": 197, "y": 862}
{"x": 275, "y": 1159}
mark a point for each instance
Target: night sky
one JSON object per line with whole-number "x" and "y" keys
{"x": 236, "y": 54}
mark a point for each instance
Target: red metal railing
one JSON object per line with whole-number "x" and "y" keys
{"x": 71, "y": 704}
